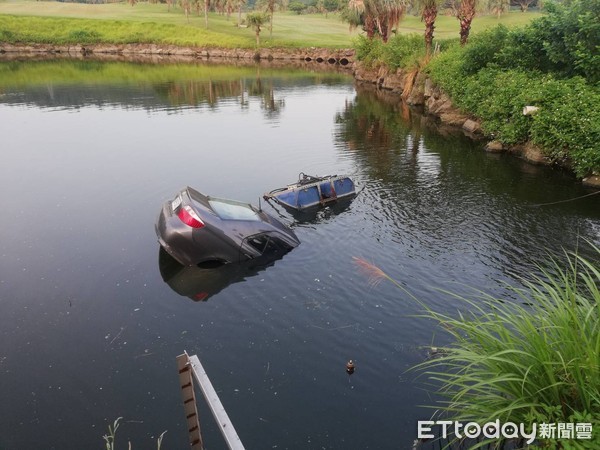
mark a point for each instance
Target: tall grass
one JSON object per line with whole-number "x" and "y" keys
{"x": 532, "y": 361}
{"x": 109, "y": 439}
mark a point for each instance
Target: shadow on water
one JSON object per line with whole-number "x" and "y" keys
{"x": 201, "y": 283}
{"x": 313, "y": 215}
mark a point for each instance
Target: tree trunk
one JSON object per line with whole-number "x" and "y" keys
{"x": 257, "y": 36}
{"x": 429, "y": 16}
{"x": 206, "y": 6}
{"x": 369, "y": 27}
{"x": 383, "y": 29}
{"x": 466, "y": 13}
{"x": 240, "y": 15}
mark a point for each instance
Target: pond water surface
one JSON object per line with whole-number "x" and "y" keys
{"x": 93, "y": 315}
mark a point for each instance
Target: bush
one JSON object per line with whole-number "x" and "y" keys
{"x": 369, "y": 51}
{"x": 565, "y": 42}
{"x": 568, "y": 123}
{"x": 570, "y": 34}
{"x": 401, "y": 51}
{"x": 496, "y": 86}
{"x": 297, "y": 7}
{"x": 483, "y": 49}
{"x": 498, "y": 97}
{"x": 405, "y": 51}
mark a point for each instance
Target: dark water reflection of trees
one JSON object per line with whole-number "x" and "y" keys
{"x": 72, "y": 84}
{"x": 440, "y": 188}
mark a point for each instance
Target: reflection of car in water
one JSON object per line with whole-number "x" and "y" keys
{"x": 315, "y": 214}
{"x": 195, "y": 229}
{"x": 201, "y": 282}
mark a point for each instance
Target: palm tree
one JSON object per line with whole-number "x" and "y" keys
{"x": 498, "y": 6}
{"x": 240, "y": 4}
{"x": 207, "y": 6}
{"x": 256, "y": 20}
{"x": 271, "y": 11}
{"x": 185, "y": 4}
{"x": 375, "y": 16}
{"x": 465, "y": 14}
{"x": 429, "y": 10}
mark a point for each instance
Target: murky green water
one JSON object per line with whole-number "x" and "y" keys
{"x": 90, "y": 328}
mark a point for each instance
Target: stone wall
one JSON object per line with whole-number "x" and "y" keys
{"x": 344, "y": 57}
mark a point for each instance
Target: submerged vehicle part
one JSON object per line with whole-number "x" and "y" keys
{"x": 313, "y": 191}
{"x": 199, "y": 283}
{"x": 195, "y": 229}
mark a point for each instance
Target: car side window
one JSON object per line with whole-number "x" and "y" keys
{"x": 268, "y": 245}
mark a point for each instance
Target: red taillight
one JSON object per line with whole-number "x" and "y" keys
{"x": 189, "y": 217}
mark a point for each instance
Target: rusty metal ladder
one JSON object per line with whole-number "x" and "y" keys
{"x": 190, "y": 369}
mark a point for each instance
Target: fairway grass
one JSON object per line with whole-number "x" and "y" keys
{"x": 116, "y": 23}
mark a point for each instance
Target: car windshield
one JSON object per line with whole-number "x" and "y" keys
{"x": 229, "y": 210}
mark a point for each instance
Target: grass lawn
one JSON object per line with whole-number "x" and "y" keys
{"x": 58, "y": 22}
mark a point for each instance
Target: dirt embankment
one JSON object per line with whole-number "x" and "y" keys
{"x": 417, "y": 89}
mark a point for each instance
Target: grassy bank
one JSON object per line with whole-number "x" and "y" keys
{"x": 119, "y": 23}
{"x": 114, "y": 23}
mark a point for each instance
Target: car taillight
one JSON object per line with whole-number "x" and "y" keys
{"x": 189, "y": 217}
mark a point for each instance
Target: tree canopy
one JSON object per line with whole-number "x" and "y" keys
{"x": 376, "y": 17}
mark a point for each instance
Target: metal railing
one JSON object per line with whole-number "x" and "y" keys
{"x": 190, "y": 370}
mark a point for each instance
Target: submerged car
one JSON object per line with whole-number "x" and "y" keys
{"x": 197, "y": 229}
{"x": 311, "y": 192}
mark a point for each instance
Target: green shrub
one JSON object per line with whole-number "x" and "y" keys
{"x": 297, "y": 7}
{"x": 483, "y": 49}
{"x": 568, "y": 123}
{"x": 400, "y": 52}
{"x": 405, "y": 51}
{"x": 570, "y": 34}
{"x": 369, "y": 51}
{"x": 446, "y": 70}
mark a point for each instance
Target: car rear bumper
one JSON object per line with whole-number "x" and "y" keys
{"x": 172, "y": 235}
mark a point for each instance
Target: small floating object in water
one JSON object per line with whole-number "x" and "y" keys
{"x": 313, "y": 191}
{"x": 435, "y": 352}
{"x": 350, "y": 367}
